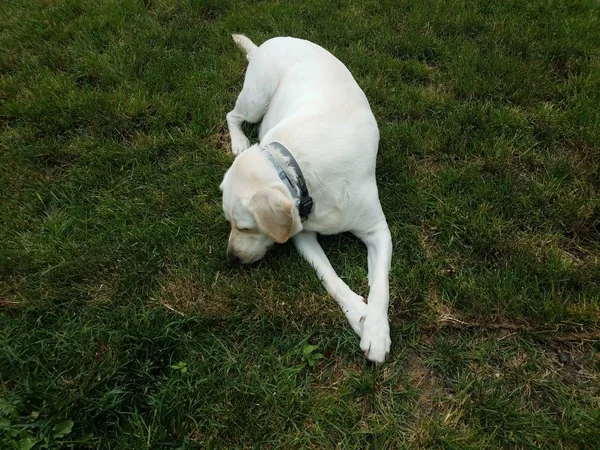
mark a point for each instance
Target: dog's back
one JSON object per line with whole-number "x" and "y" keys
{"x": 303, "y": 80}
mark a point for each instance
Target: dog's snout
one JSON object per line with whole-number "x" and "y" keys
{"x": 233, "y": 258}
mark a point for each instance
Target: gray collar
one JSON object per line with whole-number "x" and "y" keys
{"x": 299, "y": 190}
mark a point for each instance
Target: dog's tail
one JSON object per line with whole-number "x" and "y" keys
{"x": 245, "y": 44}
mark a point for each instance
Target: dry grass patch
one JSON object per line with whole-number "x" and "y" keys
{"x": 336, "y": 373}
{"x": 428, "y": 387}
{"x": 424, "y": 169}
{"x": 10, "y": 286}
{"x": 101, "y": 293}
{"x": 187, "y": 296}
{"x": 220, "y": 139}
{"x": 427, "y": 240}
{"x": 435, "y": 93}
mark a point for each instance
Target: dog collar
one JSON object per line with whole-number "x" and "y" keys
{"x": 299, "y": 190}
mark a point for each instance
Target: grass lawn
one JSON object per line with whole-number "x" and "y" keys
{"x": 122, "y": 325}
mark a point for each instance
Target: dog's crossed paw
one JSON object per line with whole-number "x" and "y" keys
{"x": 355, "y": 310}
{"x": 355, "y": 314}
{"x": 375, "y": 338}
{"x": 239, "y": 144}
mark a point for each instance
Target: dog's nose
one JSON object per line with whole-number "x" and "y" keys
{"x": 233, "y": 258}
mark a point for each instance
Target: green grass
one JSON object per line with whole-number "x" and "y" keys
{"x": 121, "y": 324}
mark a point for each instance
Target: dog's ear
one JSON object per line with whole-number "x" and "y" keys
{"x": 273, "y": 213}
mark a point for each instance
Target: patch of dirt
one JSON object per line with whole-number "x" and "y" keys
{"x": 569, "y": 366}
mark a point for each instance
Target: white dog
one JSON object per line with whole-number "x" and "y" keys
{"x": 309, "y": 104}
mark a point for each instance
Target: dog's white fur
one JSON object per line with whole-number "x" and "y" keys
{"x": 309, "y": 102}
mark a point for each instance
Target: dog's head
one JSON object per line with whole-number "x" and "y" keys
{"x": 258, "y": 206}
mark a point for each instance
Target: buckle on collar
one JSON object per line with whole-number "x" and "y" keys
{"x": 305, "y": 207}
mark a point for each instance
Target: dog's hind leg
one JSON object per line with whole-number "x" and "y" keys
{"x": 352, "y": 304}
{"x": 251, "y": 105}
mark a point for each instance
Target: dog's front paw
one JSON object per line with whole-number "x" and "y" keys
{"x": 375, "y": 339}
{"x": 239, "y": 144}
{"x": 355, "y": 313}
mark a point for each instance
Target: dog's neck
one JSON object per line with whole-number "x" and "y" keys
{"x": 291, "y": 175}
